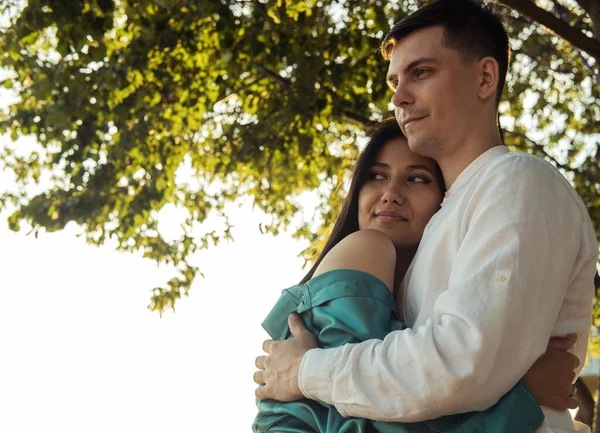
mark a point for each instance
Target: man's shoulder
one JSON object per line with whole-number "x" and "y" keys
{"x": 523, "y": 163}
{"x": 519, "y": 168}
{"x": 529, "y": 175}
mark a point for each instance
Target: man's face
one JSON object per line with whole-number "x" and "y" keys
{"x": 435, "y": 92}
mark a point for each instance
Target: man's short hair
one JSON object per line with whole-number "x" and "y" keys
{"x": 473, "y": 28}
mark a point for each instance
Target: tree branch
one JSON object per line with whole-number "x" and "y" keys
{"x": 357, "y": 118}
{"x": 563, "y": 11}
{"x": 274, "y": 75}
{"x": 592, "y": 7}
{"x": 239, "y": 89}
{"x": 350, "y": 116}
{"x": 540, "y": 148}
{"x": 554, "y": 25}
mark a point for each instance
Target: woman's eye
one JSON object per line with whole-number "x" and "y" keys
{"x": 420, "y": 72}
{"x": 418, "y": 179}
{"x": 377, "y": 176}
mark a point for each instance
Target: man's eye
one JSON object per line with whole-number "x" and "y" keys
{"x": 420, "y": 72}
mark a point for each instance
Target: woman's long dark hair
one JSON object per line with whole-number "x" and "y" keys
{"x": 347, "y": 221}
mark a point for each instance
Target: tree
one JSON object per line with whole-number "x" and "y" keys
{"x": 137, "y": 105}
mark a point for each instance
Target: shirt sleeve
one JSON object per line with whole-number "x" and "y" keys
{"x": 347, "y": 306}
{"x": 339, "y": 307}
{"x": 521, "y": 237}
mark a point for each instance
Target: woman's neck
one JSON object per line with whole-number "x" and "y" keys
{"x": 404, "y": 257}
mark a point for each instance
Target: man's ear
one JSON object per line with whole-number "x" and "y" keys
{"x": 488, "y": 73}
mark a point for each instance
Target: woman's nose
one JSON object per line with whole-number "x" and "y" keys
{"x": 393, "y": 194}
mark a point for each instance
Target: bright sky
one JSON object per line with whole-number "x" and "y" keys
{"x": 81, "y": 353}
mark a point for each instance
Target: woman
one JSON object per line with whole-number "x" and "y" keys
{"x": 347, "y": 296}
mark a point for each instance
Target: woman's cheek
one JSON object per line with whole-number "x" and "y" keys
{"x": 432, "y": 208}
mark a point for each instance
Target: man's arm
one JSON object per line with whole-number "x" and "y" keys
{"x": 505, "y": 293}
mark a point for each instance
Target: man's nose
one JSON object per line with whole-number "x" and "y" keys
{"x": 402, "y": 96}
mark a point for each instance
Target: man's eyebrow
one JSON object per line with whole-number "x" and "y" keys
{"x": 417, "y": 62}
{"x": 391, "y": 77}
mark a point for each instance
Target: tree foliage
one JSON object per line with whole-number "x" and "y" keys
{"x": 137, "y": 105}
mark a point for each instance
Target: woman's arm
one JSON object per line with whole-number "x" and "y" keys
{"x": 366, "y": 251}
{"x": 551, "y": 377}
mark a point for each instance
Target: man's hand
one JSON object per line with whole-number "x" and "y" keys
{"x": 551, "y": 377}
{"x": 278, "y": 371}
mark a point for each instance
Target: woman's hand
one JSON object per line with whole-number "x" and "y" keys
{"x": 551, "y": 377}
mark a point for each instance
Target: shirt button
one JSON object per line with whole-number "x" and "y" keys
{"x": 501, "y": 277}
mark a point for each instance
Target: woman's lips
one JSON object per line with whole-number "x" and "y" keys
{"x": 389, "y": 216}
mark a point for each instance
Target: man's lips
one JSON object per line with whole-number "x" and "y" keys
{"x": 389, "y": 216}
{"x": 411, "y": 120}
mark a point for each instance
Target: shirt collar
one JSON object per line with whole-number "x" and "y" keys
{"x": 465, "y": 176}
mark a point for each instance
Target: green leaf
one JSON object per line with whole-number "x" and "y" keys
{"x": 254, "y": 101}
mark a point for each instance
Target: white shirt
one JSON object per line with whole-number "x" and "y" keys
{"x": 506, "y": 263}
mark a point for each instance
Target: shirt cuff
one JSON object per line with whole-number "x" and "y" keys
{"x": 314, "y": 375}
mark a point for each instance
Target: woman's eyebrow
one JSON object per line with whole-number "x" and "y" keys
{"x": 418, "y": 167}
{"x": 407, "y": 168}
{"x": 380, "y": 164}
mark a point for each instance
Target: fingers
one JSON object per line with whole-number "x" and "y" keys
{"x": 572, "y": 403}
{"x": 572, "y": 362}
{"x": 567, "y": 399}
{"x": 561, "y": 404}
{"x": 567, "y": 360}
{"x": 296, "y": 325}
{"x": 266, "y": 347}
{"x": 562, "y": 343}
{"x": 262, "y": 392}
{"x": 259, "y": 377}
{"x": 260, "y": 362}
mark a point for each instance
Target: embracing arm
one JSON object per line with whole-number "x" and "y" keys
{"x": 551, "y": 377}
{"x": 504, "y": 296}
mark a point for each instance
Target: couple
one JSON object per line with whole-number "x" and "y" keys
{"x": 506, "y": 263}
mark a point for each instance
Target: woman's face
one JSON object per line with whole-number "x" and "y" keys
{"x": 399, "y": 194}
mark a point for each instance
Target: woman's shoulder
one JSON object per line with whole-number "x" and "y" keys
{"x": 368, "y": 240}
{"x": 369, "y": 251}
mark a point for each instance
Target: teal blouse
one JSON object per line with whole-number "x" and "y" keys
{"x": 346, "y": 306}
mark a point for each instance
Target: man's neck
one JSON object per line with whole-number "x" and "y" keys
{"x": 453, "y": 164}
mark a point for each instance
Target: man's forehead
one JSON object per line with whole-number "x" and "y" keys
{"x": 423, "y": 43}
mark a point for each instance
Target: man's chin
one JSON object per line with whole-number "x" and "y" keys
{"x": 415, "y": 144}
{"x": 421, "y": 146}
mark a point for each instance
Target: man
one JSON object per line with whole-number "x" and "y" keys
{"x": 505, "y": 264}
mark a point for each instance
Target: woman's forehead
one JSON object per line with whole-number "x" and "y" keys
{"x": 396, "y": 153}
